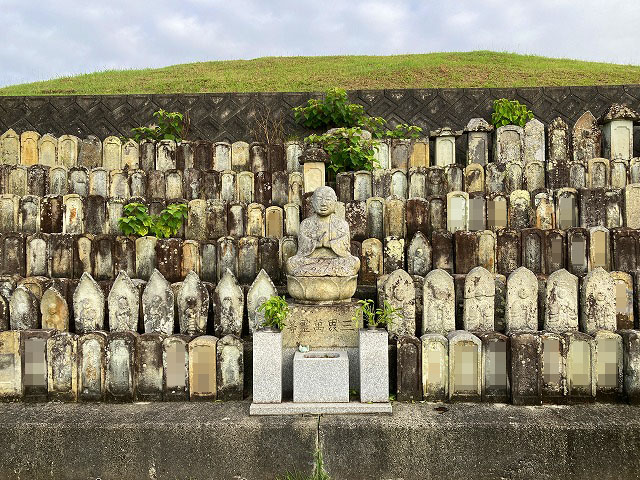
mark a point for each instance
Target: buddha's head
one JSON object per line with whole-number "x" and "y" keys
{"x": 324, "y": 201}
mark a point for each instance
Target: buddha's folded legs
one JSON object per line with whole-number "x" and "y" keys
{"x": 323, "y": 267}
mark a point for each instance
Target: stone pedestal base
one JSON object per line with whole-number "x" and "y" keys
{"x": 321, "y": 327}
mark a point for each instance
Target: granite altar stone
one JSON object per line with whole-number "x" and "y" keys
{"x": 321, "y": 376}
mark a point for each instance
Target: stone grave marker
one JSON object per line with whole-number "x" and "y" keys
{"x": 581, "y": 381}
{"x": 165, "y": 155}
{"x": 561, "y": 312}
{"x": 526, "y": 378}
{"x": 457, "y": 211}
{"x": 9, "y": 148}
{"x": 54, "y": 311}
{"x": 202, "y": 368}
{"x": 148, "y": 367}
{"x": 112, "y": 153}
{"x": 552, "y": 363}
{"x": 609, "y": 365}
{"x": 624, "y": 300}
{"x": 158, "y": 305}
{"x": 521, "y": 313}
{"x": 34, "y": 368}
{"x": 617, "y": 131}
{"x": 478, "y": 130}
{"x": 120, "y": 356}
{"x": 124, "y": 305}
{"x": 409, "y": 360}
{"x": 419, "y": 153}
{"x": 228, "y": 306}
{"x": 175, "y": 368}
{"x": 598, "y": 301}
{"x": 496, "y": 356}
{"x": 62, "y": 367}
{"x": 88, "y": 305}
{"x": 29, "y": 148}
{"x": 192, "y": 300}
{"x": 534, "y": 142}
{"x": 23, "y": 309}
{"x": 465, "y": 367}
{"x": 439, "y": 303}
{"x": 435, "y": 367}
{"x": 419, "y": 255}
{"x": 91, "y": 366}
{"x": 398, "y": 290}
{"x": 230, "y": 368}
{"x": 479, "y": 293}
{"x": 558, "y": 158}
{"x": 508, "y": 145}
{"x": 261, "y": 290}
{"x": 221, "y": 160}
{"x": 586, "y": 138}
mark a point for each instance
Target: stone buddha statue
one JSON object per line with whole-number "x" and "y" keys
{"x": 323, "y": 270}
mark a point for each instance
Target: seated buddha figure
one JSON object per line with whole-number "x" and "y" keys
{"x": 324, "y": 254}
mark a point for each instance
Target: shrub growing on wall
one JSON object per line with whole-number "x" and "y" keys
{"x": 349, "y": 140}
{"x": 510, "y": 112}
{"x": 170, "y": 126}
{"x": 137, "y": 221}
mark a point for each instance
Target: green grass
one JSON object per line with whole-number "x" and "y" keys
{"x": 296, "y": 74}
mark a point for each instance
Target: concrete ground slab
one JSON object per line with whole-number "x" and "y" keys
{"x": 219, "y": 440}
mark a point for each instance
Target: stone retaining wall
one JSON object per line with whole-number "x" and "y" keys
{"x": 227, "y": 116}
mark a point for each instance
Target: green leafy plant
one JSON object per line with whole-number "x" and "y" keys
{"x": 170, "y": 126}
{"x": 403, "y": 130}
{"x": 170, "y": 220}
{"x": 380, "y": 317}
{"x": 348, "y": 148}
{"x": 334, "y": 110}
{"x": 137, "y": 221}
{"x": 510, "y": 112}
{"x": 275, "y": 311}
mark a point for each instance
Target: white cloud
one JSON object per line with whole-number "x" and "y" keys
{"x": 47, "y": 39}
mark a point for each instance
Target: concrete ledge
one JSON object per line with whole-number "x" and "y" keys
{"x": 221, "y": 441}
{"x": 181, "y": 440}
{"x": 291, "y": 408}
{"x": 485, "y": 441}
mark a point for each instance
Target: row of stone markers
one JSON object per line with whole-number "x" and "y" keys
{"x": 29, "y": 148}
{"x": 40, "y": 365}
{"x": 524, "y": 368}
{"x": 191, "y": 307}
{"x": 490, "y": 179}
{"x": 436, "y": 303}
{"x": 578, "y": 250}
{"x": 612, "y": 139}
{"x": 376, "y": 217}
{"x": 521, "y": 302}
{"x": 279, "y": 188}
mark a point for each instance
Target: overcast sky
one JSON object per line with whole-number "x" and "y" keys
{"x": 42, "y": 39}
